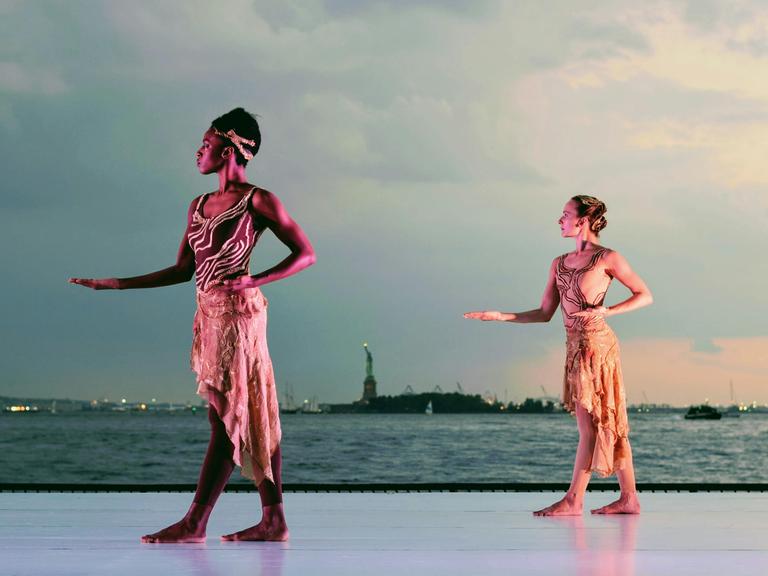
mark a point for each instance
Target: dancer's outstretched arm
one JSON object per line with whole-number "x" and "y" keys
{"x": 618, "y": 267}
{"x": 275, "y": 217}
{"x": 544, "y": 313}
{"x": 180, "y": 272}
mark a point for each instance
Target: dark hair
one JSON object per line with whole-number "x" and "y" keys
{"x": 245, "y": 125}
{"x": 594, "y": 210}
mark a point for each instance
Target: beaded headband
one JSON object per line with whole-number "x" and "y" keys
{"x": 238, "y": 141}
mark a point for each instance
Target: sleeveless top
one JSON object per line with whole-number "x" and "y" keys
{"x": 569, "y": 286}
{"x": 223, "y": 243}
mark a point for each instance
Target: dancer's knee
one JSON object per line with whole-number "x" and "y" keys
{"x": 217, "y": 424}
{"x": 587, "y": 432}
{"x": 219, "y": 431}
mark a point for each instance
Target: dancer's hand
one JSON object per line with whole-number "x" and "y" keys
{"x": 97, "y": 283}
{"x": 237, "y": 284}
{"x": 485, "y": 315}
{"x": 592, "y": 312}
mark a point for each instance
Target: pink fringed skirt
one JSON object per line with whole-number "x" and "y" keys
{"x": 593, "y": 381}
{"x": 234, "y": 374}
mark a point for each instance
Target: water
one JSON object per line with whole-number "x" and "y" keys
{"x": 169, "y": 447}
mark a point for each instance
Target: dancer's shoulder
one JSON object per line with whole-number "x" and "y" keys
{"x": 267, "y": 204}
{"x": 555, "y": 264}
{"x": 608, "y": 253}
{"x": 194, "y": 204}
{"x": 197, "y": 199}
{"x": 263, "y": 195}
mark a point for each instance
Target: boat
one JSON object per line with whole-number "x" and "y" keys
{"x": 428, "y": 409}
{"x": 288, "y": 405}
{"x": 21, "y": 409}
{"x": 732, "y": 412}
{"x": 310, "y": 406}
{"x": 703, "y": 412}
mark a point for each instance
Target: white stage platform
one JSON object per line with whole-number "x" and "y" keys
{"x": 62, "y": 534}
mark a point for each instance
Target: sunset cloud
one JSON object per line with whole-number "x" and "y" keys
{"x": 728, "y": 144}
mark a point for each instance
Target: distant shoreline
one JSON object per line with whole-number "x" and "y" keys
{"x": 440, "y": 403}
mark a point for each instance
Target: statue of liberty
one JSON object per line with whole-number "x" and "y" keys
{"x": 368, "y": 361}
{"x": 369, "y": 384}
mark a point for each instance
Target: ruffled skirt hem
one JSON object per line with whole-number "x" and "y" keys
{"x": 593, "y": 380}
{"x": 234, "y": 374}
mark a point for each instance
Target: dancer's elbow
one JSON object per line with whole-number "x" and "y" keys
{"x": 302, "y": 260}
{"x": 309, "y": 258}
{"x": 642, "y": 299}
{"x": 648, "y": 298}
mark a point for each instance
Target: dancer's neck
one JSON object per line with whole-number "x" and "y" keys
{"x": 231, "y": 176}
{"x": 586, "y": 242}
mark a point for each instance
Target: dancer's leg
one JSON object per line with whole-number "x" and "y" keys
{"x": 628, "y": 502}
{"x": 273, "y": 525}
{"x": 218, "y": 464}
{"x": 216, "y": 470}
{"x": 271, "y": 493}
{"x": 573, "y": 501}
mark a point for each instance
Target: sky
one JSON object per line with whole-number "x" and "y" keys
{"x": 426, "y": 148}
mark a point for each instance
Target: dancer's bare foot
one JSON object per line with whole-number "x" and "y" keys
{"x": 264, "y": 531}
{"x": 180, "y": 533}
{"x": 626, "y": 504}
{"x": 568, "y": 506}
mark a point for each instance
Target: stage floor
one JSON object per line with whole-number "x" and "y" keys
{"x": 414, "y": 534}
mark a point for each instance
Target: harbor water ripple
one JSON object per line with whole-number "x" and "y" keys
{"x": 385, "y": 448}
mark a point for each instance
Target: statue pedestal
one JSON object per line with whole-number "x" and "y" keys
{"x": 369, "y": 388}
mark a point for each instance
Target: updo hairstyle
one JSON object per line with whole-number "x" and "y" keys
{"x": 245, "y": 125}
{"x": 594, "y": 210}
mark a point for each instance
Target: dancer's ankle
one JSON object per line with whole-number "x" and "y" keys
{"x": 572, "y": 497}
{"x": 197, "y": 516}
{"x": 273, "y": 511}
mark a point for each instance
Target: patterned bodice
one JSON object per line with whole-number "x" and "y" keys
{"x": 572, "y": 299}
{"x": 223, "y": 243}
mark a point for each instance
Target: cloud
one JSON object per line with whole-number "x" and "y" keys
{"x": 426, "y": 148}
{"x": 704, "y": 60}
{"x": 736, "y": 151}
{"x": 418, "y": 91}
{"x": 182, "y": 40}
{"x": 725, "y": 141}
{"x": 705, "y": 345}
{"x": 19, "y": 79}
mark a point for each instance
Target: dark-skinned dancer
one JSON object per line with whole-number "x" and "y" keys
{"x": 229, "y": 348}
